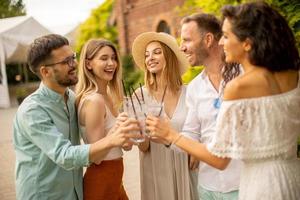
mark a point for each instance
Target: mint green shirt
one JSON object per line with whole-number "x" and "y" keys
{"x": 49, "y": 159}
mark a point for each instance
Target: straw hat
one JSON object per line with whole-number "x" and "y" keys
{"x": 141, "y": 41}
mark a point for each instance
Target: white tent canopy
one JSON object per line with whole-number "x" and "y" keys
{"x": 72, "y": 35}
{"x": 16, "y": 34}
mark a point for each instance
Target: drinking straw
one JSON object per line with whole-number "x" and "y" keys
{"x": 141, "y": 88}
{"x": 135, "y": 115}
{"x": 134, "y": 111}
{"x": 125, "y": 93}
{"x": 162, "y": 100}
{"x": 136, "y": 96}
{"x": 124, "y": 89}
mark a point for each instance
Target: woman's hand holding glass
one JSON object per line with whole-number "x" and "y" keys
{"x": 134, "y": 110}
{"x": 160, "y": 129}
{"x": 122, "y": 117}
{"x": 125, "y": 130}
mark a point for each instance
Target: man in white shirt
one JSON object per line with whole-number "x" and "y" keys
{"x": 200, "y": 34}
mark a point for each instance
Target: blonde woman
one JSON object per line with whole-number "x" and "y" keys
{"x": 98, "y": 96}
{"x": 165, "y": 172}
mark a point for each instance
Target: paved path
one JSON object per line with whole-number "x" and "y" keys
{"x": 7, "y": 162}
{"x": 7, "y": 155}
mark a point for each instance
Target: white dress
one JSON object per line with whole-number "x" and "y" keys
{"x": 263, "y": 133}
{"x": 165, "y": 174}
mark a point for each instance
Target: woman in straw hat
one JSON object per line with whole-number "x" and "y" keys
{"x": 165, "y": 172}
{"x": 98, "y": 95}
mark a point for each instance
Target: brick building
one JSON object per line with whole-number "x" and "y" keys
{"x": 133, "y": 17}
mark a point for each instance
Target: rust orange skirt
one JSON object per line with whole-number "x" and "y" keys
{"x": 104, "y": 181}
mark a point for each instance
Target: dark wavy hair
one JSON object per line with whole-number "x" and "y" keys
{"x": 272, "y": 40}
{"x": 209, "y": 23}
{"x": 41, "y": 48}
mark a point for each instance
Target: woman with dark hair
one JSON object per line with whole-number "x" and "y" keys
{"x": 259, "y": 119}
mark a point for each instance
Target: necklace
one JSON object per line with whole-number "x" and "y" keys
{"x": 217, "y": 102}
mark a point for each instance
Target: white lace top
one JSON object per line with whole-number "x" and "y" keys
{"x": 258, "y": 128}
{"x": 263, "y": 133}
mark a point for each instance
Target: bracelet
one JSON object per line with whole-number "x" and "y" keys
{"x": 177, "y": 139}
{"x": 168, "y": 145}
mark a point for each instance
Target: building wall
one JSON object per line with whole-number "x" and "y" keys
{"x": 137, "y": 16}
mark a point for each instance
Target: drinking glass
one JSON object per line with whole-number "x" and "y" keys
{"x": 155, "y": 110}
{"x": 136, "y": 111}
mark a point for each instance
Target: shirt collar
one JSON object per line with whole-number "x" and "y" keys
{"x": 51, "y": 93}
{"x": 203, "y": 76}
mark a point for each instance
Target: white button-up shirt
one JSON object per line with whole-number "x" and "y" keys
{"x": 200, "y": 125}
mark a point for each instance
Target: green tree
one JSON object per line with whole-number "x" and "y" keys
{"x": 191, "y": 73}
{"x": 96, "y": 26}
{"x": 132, "y": 77}
{"x": 11, "y": 8}
{"x": 290, "y": 9}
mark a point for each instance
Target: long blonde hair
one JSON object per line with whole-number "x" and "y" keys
{"x": 170, "y": 75}
{"x": 86, "y": 79}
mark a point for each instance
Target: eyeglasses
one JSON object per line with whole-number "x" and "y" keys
{"x": 70, "y": 61}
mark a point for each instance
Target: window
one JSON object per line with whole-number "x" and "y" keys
{"x": 163, "y": 27}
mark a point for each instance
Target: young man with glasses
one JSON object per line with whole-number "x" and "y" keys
{"x": 49, "y": 157}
